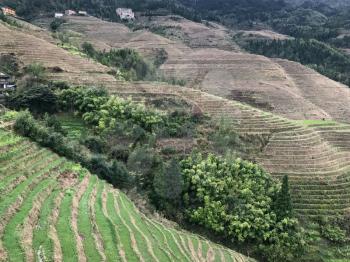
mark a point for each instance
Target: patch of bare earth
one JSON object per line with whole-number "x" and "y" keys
{"x": 57, "y": 254}
{"x": 210, "y": 255}
{"x": 96, "y": 233}
{"x": 75, "y": 209}
{"x": 30, "y": 224}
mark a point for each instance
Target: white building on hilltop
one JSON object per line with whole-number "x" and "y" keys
{"x": 125, "y": 13}
{"x": 58, "y": 15}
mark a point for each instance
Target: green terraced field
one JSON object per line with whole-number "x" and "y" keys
{"x": 53, "y": 210}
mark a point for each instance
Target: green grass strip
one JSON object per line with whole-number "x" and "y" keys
{"x": 170, "y": 245}
{"x": 43, "y": 244}
{"x": 174, "y": 243}
{"x": 84, "y": 224}
{"x": 106, "y": 228}
{"x": 9, "y": 139}
{"x": 64, "y": 228}
{"x": 36, "y": 166}
{"x": 16, "y": 149}
{"x": 140, "y": 240}
{"x": 11, "y": 197}
{"x": 123, "y": 231}
{"x": 131, "y": 209}
{"x": 12, "y": 236}
{"x": 18, "y": 162}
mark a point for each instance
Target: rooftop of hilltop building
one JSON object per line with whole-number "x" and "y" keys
{"x": 7, "y": 10}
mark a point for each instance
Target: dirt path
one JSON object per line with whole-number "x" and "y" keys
{"x": 96, "y": 233}
{"x": 194, "y": 254}
{"x": 57, "y": 254}
{"x": 199, "y": 251}
{"x": 31, "y": 222}
{"x": 210, "y": 255}
{"x": 74, "y": 218}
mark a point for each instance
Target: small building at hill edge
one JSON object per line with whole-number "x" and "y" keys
{"x": 8, "y": 11}
{"x": 70, "y": 12}
{"x": 125, "y": 13}
{"x": 82, "y": 13}
{"x": 5, "y": 82}
{"x": 58, "y": 15}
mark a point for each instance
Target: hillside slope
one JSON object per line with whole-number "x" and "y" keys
{"x": 53, "y": 210}
{"x": 315, "y": 157}
{"x": 282, "y": 87}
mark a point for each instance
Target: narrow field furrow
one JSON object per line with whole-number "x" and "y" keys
{"x": 185, "y": 245}
{"x": 174, "y": 247}
{"x": 43, "y": 246}
{"x": 106, "y": 206}
{"x": 130, "y": 250}
{"x": 10, "y": 152}
{"x": 106, "y": 227}
{"x": 64, "y": 229}
{"x": 11, "y": 181}
{"x": 142, "y": 242}
{"x": 19, "y": 161}
{"x": 210, "y": 255}
{"x": 12, "y": 233}
{"x": 85, "y": 225}
{"x": 175, "y": 242}
{"x": 160, "y": 236}
{"x": 74, "y": 217}
{"x": 31, "y": 223}
{"x": 192, "y": 248}
{"x": 21, "y": 189}
{"x": 96, "y": 233}
{"x": 57, "y": 250}
{"x": 138, "y": 222}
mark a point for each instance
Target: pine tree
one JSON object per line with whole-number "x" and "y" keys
{"x": 283, "y": 204}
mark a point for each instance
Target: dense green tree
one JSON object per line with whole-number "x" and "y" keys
{"x": 283, "y": 204}
{"x": 38, "y": 99}
{"x": 235, "y": 200}
{"x": 169, "y": 183}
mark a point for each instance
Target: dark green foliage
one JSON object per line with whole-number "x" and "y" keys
{"x": 234, "y": 199}
{"x": 38, "y": 99}
{"x": 128, "y": 61}
{"x": 169, "y": 184}
{"x": 112, "y": 171}
{"x": 283, "y": 203}
{"x": 334, "y": 233}
{"x": 9, "y": 64}
{"x": 144, "y": 162}
{"x": 320, "y": 56}
{"x": 51, "y": 121}
{"x": 56, "y": 23}
{"x": 96, "y": 144}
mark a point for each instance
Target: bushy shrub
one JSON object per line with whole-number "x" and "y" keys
{"x": 37, "y": 98}
{"x": 56, "y": 23}
{"x": 334, "y": 233}
{"x": 235, "y": 199}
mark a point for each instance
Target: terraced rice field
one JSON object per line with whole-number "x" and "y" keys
{"x": 314, "y": 154}
{"x": 52, "y": 210}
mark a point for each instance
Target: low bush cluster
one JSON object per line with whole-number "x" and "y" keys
{"x": 112, "y": 171}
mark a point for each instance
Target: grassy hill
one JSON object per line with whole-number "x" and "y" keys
{"x": 52, "y": 209}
